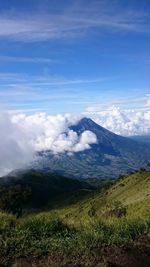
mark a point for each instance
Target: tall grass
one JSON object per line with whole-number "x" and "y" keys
{"x": 41, "y": 236}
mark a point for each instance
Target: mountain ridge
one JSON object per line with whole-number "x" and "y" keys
{"x": 45, "y": 187}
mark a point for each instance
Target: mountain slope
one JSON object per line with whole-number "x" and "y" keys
{"x": 111, "y": 156}
{"x": 132, "y": 191}
{"x": 45, "y": 188}
{"x": 141, "y": 138}
{"x": 84, "y": 233}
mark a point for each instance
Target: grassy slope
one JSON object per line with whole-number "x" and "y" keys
{"x": 133, "y": 191}
{"x": 78, "y": 233}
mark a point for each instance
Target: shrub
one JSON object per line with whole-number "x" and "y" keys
{"x": 116, "y": 209}
{"x": 92, "y": 211}
{"x": 44, "y": 227}
{"x": 14, "y": 198}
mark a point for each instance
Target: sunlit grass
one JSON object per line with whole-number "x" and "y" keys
{"x": 73, "y": 229}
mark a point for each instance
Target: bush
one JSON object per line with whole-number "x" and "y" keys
{"x": 14, "y": 198}
{"x": 92, "y": 211}
{"x": 116, "y": 209}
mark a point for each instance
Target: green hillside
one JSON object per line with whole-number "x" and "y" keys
{"x": 108, "y": 227}
{"x": 132, "y": 191}
{"x": 45, "y": 187}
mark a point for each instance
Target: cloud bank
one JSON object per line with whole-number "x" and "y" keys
{"x": 15, "y": 149}
{"x": 21, "y": 136}
{"x": 122, "y": 122}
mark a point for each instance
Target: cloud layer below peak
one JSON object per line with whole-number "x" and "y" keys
{"x": 22, "y": 135}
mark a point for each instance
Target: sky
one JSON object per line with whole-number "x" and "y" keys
{"x": 63, "y": 60}
{"x": 74, "y": 56}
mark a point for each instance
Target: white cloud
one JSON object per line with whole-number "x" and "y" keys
{"x": 87, "y": 138}
{"x": 53, "y": 133}
{"x": 123, "y": 122}
{"x": 21, "y": 136}
{"x": 15, "y": 149}
{"x": 93, "y": 108}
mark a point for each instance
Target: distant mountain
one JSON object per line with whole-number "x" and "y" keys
{"x": 111, "y": 156}
{"x": 45, "y": 187}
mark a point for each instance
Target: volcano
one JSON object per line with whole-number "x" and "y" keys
{"x": 112, "y": 155}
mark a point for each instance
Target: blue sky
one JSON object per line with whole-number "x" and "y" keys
{"x": 71, "y": 56}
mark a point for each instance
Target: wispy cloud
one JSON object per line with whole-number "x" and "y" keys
{"x": 132, "y": 103}
{"x": 148, "y": 100}
{"x": 28, "y": 59}
{"x": 71, "y": 23}
{"x": 23, "y": 91}
{"x": 13, "y": 79}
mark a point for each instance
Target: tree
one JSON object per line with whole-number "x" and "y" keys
{"x": 14, "y": 198}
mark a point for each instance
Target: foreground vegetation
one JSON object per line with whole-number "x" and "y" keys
{"x": 112, "y": 218}
{"x": 36, "y": 237}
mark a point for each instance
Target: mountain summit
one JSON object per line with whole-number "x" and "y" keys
{"x": 87, "y": 124}
{"x": 111, "y": 156}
